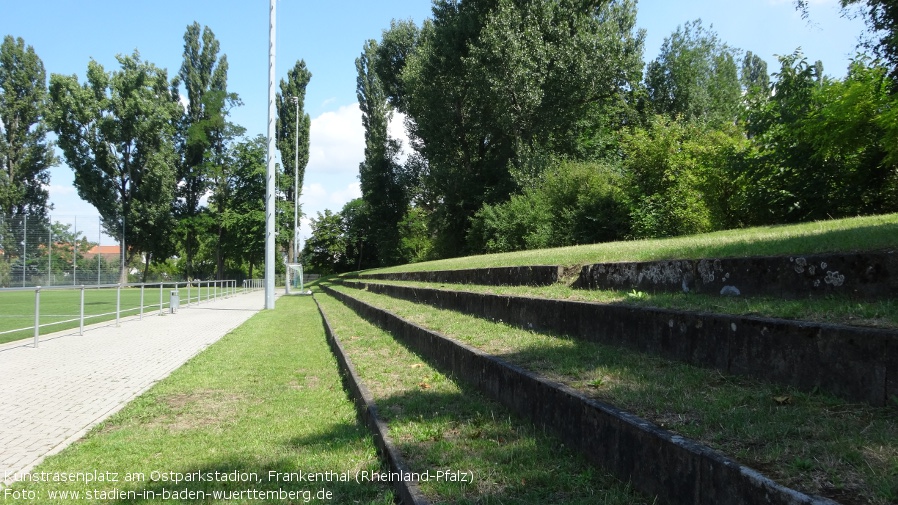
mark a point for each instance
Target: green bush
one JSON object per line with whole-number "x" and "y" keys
{"x": 415, "y": 242}
{"x": 587, "y": 203}
{"x": 574, "y": 203}
{"x": 682, "y": 177}
{"x": 523, "y": 222}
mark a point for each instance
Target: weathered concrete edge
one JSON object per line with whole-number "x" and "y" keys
{"x": 407, "y": 491}
{"x": 869, "y": 275}
{"x": 858, "y": 364}
{"x": 536, "y": 275}
{"x": 655, "y": 461}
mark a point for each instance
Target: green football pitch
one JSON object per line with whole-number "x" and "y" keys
{"x": 60, "y": 309}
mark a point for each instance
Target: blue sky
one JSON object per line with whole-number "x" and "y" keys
{"x": 66, "y": 34}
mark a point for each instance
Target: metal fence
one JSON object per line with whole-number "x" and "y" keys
{"x": 57, "y": 250}
{"x": 171, "y": 297}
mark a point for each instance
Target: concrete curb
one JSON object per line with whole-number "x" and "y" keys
{"x": 656, "y": 462}
{"x": 539, "y": 275}
{"x": 858, "y": 364}
{"x": 408, "y": 492}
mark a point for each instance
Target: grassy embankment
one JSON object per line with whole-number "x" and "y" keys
{"x": 844, "y": 235}
{"x": 852, "y": 234}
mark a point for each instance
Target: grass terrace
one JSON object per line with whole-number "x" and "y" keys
{"x": 831, "y": 309}
{"x": 813, "y": 442}
{"x": 852, "y": 234}
{"x": 438, "y": 422}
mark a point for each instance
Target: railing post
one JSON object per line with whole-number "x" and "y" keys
{"x": 37, "y": 314}
{"x": 142, "y": 285}
{"x": 188, "y": 293}
{"x": 118, "y": 305}
{"x": 81, "y": 323}
{"x": 161, "y": 312}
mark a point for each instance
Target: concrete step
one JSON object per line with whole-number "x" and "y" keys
{"x": 858, "y": 364}
{"x": 654, "y": 460}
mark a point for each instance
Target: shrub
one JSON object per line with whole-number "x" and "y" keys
{"x": 575, "y": 203}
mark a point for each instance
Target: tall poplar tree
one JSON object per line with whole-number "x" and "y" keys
{"x": 380, "y": 175}
{"x": 202, "y": 129}
{"x": 25, "y": 153}
{"x": 292, "y": 96}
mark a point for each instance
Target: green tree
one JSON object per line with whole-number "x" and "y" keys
{"x": 66, "y": 249}
{"x": 575, "y": 203}
{"x": 244, "y": 218}
{"x": 783, "y": 185}
{"x": 359, "y": 233}
{"x": 491, "y": 83}
{"x": 25, "y": 153}
{"x": 382, "y": 179}
{"x": 325, "y": 250}
{"x": 116, "y": 133}
{"x": 415, "y": 241}
{"x": 290, "y": 98}
{"x": 754, "y": 76}
{"x": 824, "y": 147}
{"x": 396, "y": 46}
{"x": 201, "y": 129}
{"x": 694, "y": 77}
{"x": 882, "y": 19}
{"x": 220, "y": 165}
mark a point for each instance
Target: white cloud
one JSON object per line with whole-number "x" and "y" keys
{"x": 59, "y": 190}
{"x": 343, "y": 196}
{"x": 396, "y": 130}
{"x": 337, "y": 141}
{"x": 315, "y": 198}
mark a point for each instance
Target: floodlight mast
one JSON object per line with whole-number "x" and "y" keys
{"x": 269, "y": 187}
{"x": 296, "y": 185}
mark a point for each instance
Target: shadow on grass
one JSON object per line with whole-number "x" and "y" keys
{"x": 488, "y": 454}
{"x": 297, "y": 479}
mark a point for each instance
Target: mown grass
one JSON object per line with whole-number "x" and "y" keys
{"x": 812, "y": 442}
{"x": 440, "y": 424}
{"x": 831, "y": 309}
{"x": 266, "y": 397}
{"x": 58, "y": 307}
{"x": 852, "y": 234}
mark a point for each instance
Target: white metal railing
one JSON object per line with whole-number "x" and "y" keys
{"x": 253, "y": 285}
{"x": 197, "y": 292}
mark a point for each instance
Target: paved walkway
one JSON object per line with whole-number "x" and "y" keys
{"x": 52, "y": 395}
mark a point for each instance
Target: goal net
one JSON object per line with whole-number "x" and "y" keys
{"x": 294, "y": 277}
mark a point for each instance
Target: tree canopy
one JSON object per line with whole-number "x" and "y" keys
{"x": 116, "y": 132}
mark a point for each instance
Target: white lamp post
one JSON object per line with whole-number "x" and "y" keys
{"x": 269, "y": 186}
{"x": 296, "y": 185}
